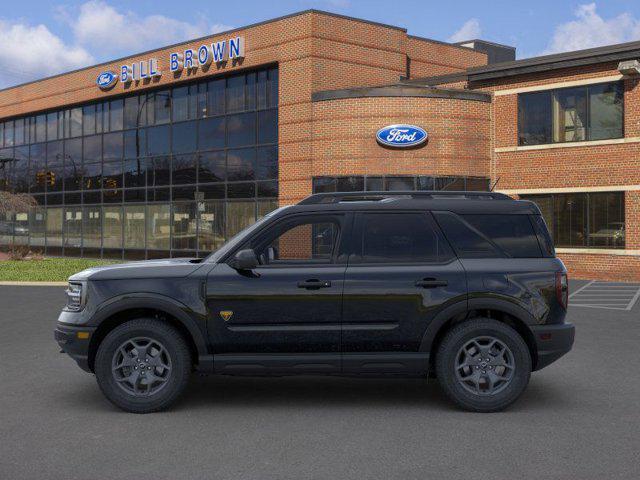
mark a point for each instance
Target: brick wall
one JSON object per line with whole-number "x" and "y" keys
{"x": 344, "y": 138}
{"x": 573, "y": 167}
{"x": 428, "y": 58}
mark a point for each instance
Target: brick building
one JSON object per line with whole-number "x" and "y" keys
{"x": 171, "y": 151}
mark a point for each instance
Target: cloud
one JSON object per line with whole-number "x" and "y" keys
{"x": 98, "y": 32}
{"x": 28, "y": 52}
{"x": 469, "y": 31}
{"x": 108, "y": 31}
{"x": 591, "y": 30}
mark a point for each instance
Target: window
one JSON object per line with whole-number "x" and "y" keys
{"x": 512, "y": 233}
{"x": 468, "y": 242}
{"x": 105, "y": 172}
{"x": 584, "y": 220}
{"x": 303, "y": 240}
{"x": 400, "y": 238}
{"x": 591, "y": 112}
{"x": 380, "y": 183}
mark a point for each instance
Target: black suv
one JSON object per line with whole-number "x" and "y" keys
{"x": 457, "y": 285}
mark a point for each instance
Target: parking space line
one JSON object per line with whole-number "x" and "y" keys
{"x": 634, "y": 300}
{"x": 582, "y": 288}
{"x": 611, "y": 296}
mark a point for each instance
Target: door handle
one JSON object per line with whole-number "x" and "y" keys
{"x": 431, "y": 283}
{"x": 314, "y": 284}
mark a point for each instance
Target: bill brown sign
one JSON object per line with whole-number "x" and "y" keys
{"x": 189, "y": 59}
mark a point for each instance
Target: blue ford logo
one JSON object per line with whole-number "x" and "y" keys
{"x": 401, "y": 136}
{"x": 106, "y": 80}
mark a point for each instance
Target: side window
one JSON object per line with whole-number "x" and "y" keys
{"x": 303, "y": 240}
{"x": 512, "y": 233}
{"x": 400, "y": 238}
{"x": 468, "y": 242}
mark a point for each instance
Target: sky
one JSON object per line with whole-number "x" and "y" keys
{"x": 39, "y": 38}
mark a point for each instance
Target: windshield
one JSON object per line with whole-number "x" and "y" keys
{"x": 239, "y": 237}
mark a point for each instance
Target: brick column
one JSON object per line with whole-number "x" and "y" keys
{"x": 632, "y": 219}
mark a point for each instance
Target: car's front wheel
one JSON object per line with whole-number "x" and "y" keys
{"x": 483, "y": 365}
{"x": 143, "y": 365}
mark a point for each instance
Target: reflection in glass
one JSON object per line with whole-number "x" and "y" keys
{"x": 158, "y": 227}
{"x": 134, "y": 225}
{"x": 184, "y": 226}
{"x": 211, "y": 225}
{"x": 240, "y": 214}
{"x": 73, "y": 227}
{"x": 112, "y": 227}
{"x": 92, "y": 227}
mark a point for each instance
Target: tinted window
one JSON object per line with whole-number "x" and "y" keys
{"x": 513, "y": 233}
{"x": 308, "y": 240}
{"x": 467, "y": 242}
{"x": 400, "y": 237}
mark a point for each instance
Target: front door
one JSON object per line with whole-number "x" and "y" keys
{"x": 285, "y": 315}
{"x": 401, "y": 273}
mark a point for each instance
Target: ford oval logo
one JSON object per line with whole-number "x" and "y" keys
{"x": 106, "y": 80}
{"x": 401, "y": 136}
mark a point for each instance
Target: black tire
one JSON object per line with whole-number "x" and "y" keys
{"x": 449, "y": 352}
{"x": 175, "y": 378}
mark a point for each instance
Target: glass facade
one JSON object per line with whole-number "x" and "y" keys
{"x": 374, "y": 183}
{"x": 584, "y": 220}
{"x": 174, "y": 171}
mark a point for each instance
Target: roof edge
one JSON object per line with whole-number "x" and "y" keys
{"x": 556, "y": 61}
{"x": 400, "y": 90}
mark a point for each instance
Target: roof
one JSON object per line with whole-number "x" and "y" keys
{"x": 590, "y": 56}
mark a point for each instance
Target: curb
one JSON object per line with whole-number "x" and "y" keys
{"x": 34, "y": 284}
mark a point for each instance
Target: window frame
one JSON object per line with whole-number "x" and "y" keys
{"x": 552, "y": 92}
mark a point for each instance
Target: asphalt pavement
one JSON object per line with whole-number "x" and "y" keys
{"x": 579, "y": 418}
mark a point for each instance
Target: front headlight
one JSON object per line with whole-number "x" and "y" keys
{"x": 75, "y": 297}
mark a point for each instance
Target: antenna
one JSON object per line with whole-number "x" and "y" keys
{"x": 494, "y": 185}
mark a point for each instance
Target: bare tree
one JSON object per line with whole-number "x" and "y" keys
{"x": 16, "y": 202}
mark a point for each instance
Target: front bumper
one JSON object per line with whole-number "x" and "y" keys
{"x": 552, "y": 342}
{"x": 74, "y": 341}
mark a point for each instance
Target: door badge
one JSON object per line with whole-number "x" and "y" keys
{"x": 226, "y": 315}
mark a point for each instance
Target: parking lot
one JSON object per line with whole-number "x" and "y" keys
{"x": 579, "y": 418}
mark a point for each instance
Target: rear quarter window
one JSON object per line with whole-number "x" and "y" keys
{"x": 514, "y": 234}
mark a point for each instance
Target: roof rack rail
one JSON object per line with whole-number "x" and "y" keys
{"x": 337, "y": 197}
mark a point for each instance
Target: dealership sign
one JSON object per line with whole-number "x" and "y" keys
{"x": 189, "y": 59}
{"x": 106, "y": 80}
{"x": 401, "y": 136}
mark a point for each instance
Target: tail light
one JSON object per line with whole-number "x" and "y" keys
{"x": 562, "y": 289}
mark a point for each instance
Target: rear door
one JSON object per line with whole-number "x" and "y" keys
{"x": 401, "y": 273}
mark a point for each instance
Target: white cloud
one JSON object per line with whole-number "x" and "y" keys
{"x": 108, "y": 31}
{"x": 29, "y": 52}
{"x": 469, "y": 31}
{"x": 591, "y": 30}
{"x": 98, "y": 32}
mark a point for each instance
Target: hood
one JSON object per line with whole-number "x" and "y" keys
{"x": 165, "y": 268}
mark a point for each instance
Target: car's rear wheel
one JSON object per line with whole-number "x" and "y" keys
{"x": 143, "y": 365}
{"x": 483, "y": 365}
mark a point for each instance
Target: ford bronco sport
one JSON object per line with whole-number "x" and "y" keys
{"x": 461, "y": 286}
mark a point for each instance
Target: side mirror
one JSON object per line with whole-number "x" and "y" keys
{"x": 245, "y": 260}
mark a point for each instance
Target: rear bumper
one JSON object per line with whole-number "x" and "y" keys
{"x": 74, "y": 345}
{"x": 552, "y": 342}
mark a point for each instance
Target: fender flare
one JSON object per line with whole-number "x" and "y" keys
{"x": 163, "y": 303}
{"x": 490, "y": 303}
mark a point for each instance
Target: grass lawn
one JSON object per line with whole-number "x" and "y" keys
{"x": 47, "y": 270}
